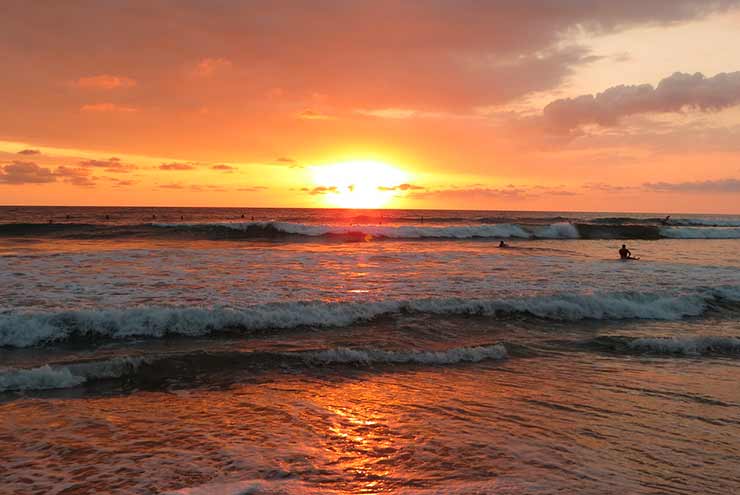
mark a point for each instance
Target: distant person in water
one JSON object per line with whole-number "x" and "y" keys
{"x": 666, "y": 220}
{"x": 502, "y": 244}
{"x": 626, "y": 254}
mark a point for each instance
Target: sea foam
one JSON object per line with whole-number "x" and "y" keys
{"x": 48, "y": 377}
{"x": 31, "y": 329}
{"x": 451, "y": 356}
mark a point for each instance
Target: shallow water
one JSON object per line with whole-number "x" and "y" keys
{"x": 367, "y": 352}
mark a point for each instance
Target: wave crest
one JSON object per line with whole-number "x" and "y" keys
{"x": 32, "y": 329}
{"x": 169, "y": 366}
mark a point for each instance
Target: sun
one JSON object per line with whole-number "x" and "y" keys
{"x": 364, "y": 184}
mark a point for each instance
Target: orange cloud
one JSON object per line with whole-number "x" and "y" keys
{"x": 672, "y": 94}
{"x": 177, "y": 166}
{"x": 19, "y": 172}
{"x": 313, "y": 115}
{"x": 209, "y": 66}
{"x": 105, "y": 81}
{"x": 108, "y": 107}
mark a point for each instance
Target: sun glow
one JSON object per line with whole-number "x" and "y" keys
{"x": 358, "y": 184}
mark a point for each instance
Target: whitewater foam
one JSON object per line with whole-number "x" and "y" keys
{"x": 48, "y": 377}
{"x": 451, "y": 356}
{"x": 31, "y": 329}
{"x": 59, "y": 376}
{"x": 561, "y": 230}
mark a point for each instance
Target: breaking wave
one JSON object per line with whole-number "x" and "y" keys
{"x": 275, "y": 230}
{"x": 34, "y": 329}
{"x": 48, "y": 377}
{"x": 169, "y": 366}
{"x": 673, "y": 222}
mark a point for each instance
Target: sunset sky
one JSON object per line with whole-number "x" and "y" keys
{"x": 591, "y": 105}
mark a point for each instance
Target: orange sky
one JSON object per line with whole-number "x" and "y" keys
{"x": 524, "y": 105}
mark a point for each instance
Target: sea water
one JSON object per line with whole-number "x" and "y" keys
{"x": 231, "y": 351}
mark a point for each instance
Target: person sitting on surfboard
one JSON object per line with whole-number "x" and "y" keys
{"x": 626, "y": 254}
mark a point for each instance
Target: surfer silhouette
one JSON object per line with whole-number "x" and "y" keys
{"x": 626, "y": 254}
{"x": 502, "y": 244}
{"x": 666, "y": 220}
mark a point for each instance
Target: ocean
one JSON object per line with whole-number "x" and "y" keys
{"x": 298, "y": 351}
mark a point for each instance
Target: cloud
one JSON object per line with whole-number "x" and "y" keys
{"x": 29, "y": 152}
{"x": 252, "y": 188}
{"x": 121, "y": 182}
{"x": 223, "y": 168}
{"x": 112, "y": 164}
{"x": 18, "y": 172}
{"x": 172, "y": 186}
{"x": 209, "y": 66}
{"x": 320, "y": 190}
{"x": 402, "y": 187}
{"x": 177, "y": 166}
{"x": 309, "y": 114}
{"x": 105, "y": 81}
{"x": 672, "y": 94}
{"x": 510, "y": 193}
{"x": 79, "y": 176}
{"x": 108, "y": 107}
{"x": 391, "y": 113}
{"x": 204, "y": 187}
{"x": 708, "y": 186}
{"x": 289, "y": 162}
{"x": 608, "y": 188}
{"x": 473, "y": 192}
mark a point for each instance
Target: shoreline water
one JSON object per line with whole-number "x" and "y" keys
{"x": 331, "y": 354}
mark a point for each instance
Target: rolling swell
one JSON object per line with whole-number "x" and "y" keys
{"x": 38, "y": 329}
{"x": 158, "y": 368}
{"x": 704, "y": 345}
{"x": 287, "y": 231}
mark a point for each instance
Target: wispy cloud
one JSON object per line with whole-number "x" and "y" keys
{"x": 177, "y": 166}
{"x": 291, "y": 163}
{"x": 112, "y": 164}
{"x": 707, "y": 186}
{"x": 309, "y": 114}
{"x": 320, "y": 190}
{"x": 108, "y": 108}
{"x": 402, "y": 187}
{"x": 252, "y": 188}
{"x": 105, "y": 81}
{"x": 209, "y": 66}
